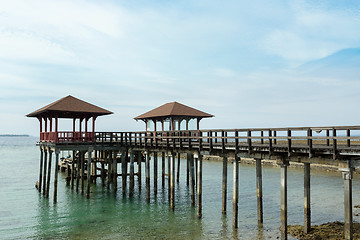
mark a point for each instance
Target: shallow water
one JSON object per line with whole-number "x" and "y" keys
{"x": 25, "y": 214}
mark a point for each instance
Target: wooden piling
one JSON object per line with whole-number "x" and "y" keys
{"x": 72, "y": 170}
{"x": 163, "y": 169}
{"x": 190, "y": 159}
{"x": 155, "y": 172}
{"x": 88, "y": 182}
{"x": 172, "y": 180}
{"x": 131, "y": 184}
{"x": 123, "y": 171}
{"x": 139, "y": 169}
{"x": 45, "y": 165}
{"x": 82, "y": 172}
{"x": 224, "y": 185}
{"x": 169, "y": 180}
{"x": 236, "y": 192}
{"x": 348, "y": 215}
{"x": 115, "y": 171}
{"x": 284, "y": 200}
{"x": 147, "y": 175}
{"x": 56, "y": 174}
{"x": 41, "y": 168}
{"x": 78, "y": 162}
{"x": 187, "y": 171}
{"x": 178, "y": 169}
{"x": 199, "y": 185}
{"x": 103, "y": 172}
{"x": 259, "y": 192}
{"x": 49, "y": 174}
{"x": 307, "y": 206}
{"x": 109, "y": 168}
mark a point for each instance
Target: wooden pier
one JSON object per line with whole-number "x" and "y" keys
{"x": 98, "y": 154}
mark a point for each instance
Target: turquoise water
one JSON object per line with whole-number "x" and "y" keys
{"x": 25, "y": 214}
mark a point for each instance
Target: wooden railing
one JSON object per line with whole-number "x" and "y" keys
{"x": 305, "y": 139}
{"x": 67, "y": 137}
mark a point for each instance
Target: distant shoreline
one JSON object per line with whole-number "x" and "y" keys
{"x": 14, "y": 135}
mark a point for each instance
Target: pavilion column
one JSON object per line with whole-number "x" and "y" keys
{"x": 162, "y": 125}
{"x": 187, "y": 124}
{"x": 51, "y": 128}
{"x": 93, "y": 128}
{"x": 74, "y": 119}
{"x": 56, "y": 128}
{"x": 198, "y": 123}
{"x": 146, "y": 125}
{"x": 80, "y": 130}
{"x": 45, "y": 120}
{"x": 86, "y": 128}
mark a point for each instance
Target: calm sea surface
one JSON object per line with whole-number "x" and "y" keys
{"x": 24, "y": 214}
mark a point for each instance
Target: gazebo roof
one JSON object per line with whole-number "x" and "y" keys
{"x": 173, "y": 109}
{"x": 68, "y": 107}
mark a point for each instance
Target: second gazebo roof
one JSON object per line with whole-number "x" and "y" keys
{"x": 173, "y": 109}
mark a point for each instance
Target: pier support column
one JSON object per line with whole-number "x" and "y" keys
{"x": 72, "y": 170}
{"x": 57, "y": 152}
{"x": 78, "y": 163}
{"x": 178, "y": 169}
{"x": 88, "y": 182}
{"x": 147, "y": 175}
{"x": 348, "y": 218}
{"x": 172, "y": 180}
{"x": 115, "y": 171}
{"x": 49, "y": 174}
{"x": 168, "y": 173}
{"x": 199, "y": 185}
{"x": 236, "y": 192}
{"x": 131, "y": 184}
{"x": 109, "y": 168}
{"x": 155, "y": 172}
{"x": 124, "y": 171}
{"x": 102, "y": 172}
{"x": 41, "y": 168}
{"x": 190, "y": 159}
{"x": 307, "y": 206}
{"x": 139, "y": 169}
{"x": 82, "y": 172}
{"x": 187, "y": 171}
{"x": 259, "y": 192}
{"x": 45, "y": 165}
{"x": 284, "y": 165}
{"x": 163, "y": 169}
{"x": 224, "y": 185}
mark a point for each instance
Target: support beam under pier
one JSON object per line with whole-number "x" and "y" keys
{"x": 307, "y": 206}
{"x": 236, "y": 192}
{"x": 259, "y": 192}
{"x": 347, "y": 176}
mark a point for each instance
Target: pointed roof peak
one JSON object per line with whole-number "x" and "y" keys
{"x": 172, "y": 109}
{"x": 69, "y": 106}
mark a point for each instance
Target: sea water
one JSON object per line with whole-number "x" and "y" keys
{"x": 26, "y": 214}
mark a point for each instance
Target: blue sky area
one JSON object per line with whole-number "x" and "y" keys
{"x": 250, "y": 63}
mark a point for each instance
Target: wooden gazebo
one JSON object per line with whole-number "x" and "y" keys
{"x": 71, "y": 108}
{"x": 172, "y": 113}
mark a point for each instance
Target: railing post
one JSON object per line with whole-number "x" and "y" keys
{"x": 275, "y": 140}
{"x": 200, "y": 140}
{"x": 249, "y": 141}
{"x": 222, "y": 141}
{"x": 310, "y": 142}
{"x": 270, "y": 142}
{"x": 190, "y": 139}
{"x": 262, "y": 135}
{"x": 236, "y": 142}
{"x": 289, "y": 142}
{"x": 210, "y": 141}
{"x": 348, "y": 135}
{"x": 327, "y": 137}
{"x": 334, "y": 144}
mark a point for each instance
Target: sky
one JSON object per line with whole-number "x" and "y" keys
{"x": 250, "y": 63}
